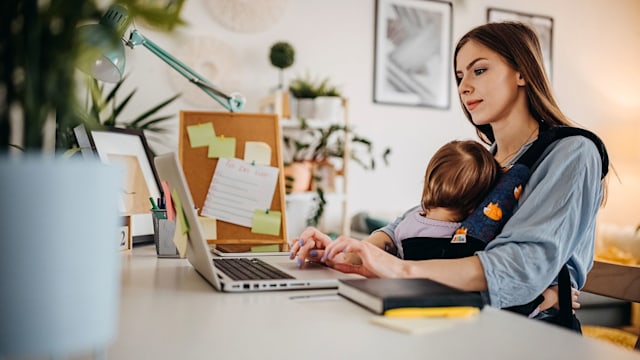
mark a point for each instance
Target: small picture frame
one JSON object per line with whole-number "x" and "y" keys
{"x": 125, "y": 240}
{"x": 129, "y": 149}
{"x": 542, "y": 24}
{"x": 413, "y": 52}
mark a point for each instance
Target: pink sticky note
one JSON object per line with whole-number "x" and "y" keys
{"x": 167, "y": 198}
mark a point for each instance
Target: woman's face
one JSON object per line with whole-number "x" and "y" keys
{"x": 489, "y": 88}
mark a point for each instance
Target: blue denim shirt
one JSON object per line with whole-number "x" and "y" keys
{"x": 554, "y": 224}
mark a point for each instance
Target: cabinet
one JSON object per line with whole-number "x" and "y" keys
{"x": 332, "y": 180}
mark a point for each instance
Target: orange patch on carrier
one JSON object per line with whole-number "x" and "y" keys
{"x": 493, "y": 211}
{"x": 460, "y": 236}
{"x": 517, "y": 191}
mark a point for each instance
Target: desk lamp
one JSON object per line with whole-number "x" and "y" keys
{"x": 104, "y": 57}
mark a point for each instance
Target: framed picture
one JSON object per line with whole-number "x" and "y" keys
{"x": 412, "y": 53}
{"x": 543, "y": 26}
{"x": 127, "y": 148}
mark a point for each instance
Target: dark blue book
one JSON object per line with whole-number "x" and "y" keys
{"x": 380, "y": 295}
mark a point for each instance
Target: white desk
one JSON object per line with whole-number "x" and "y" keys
{"x": 169, "y": 312}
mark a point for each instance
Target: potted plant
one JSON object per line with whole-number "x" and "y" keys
{"x": 45, "y": 93}
{"x": 319, "y": 149}
{"x": 75, "y": 223}
{"x": 317, "y": 99}
{"x": 281, "y": 56}
{"x": 328, "y": 103}
{"x": 304, "y": 89}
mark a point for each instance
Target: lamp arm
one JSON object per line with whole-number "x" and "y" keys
{"x": 233, "y": 102}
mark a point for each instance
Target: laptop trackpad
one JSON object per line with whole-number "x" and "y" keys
{"x": 310, "y": 270}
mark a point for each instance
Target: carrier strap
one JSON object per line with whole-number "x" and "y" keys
{"x": 551, "y": 134}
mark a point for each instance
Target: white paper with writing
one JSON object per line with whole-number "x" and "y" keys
{"x": 237, "y": 189}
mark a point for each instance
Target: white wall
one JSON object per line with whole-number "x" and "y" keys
{"x": 596, "y": 61}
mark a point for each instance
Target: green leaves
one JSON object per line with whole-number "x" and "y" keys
{"x": 162, "y": 15}
{"x": 38, "y": 48}
{"x": 306, "y": 87}
{"x": 106, "y": 110}
{"x": 282, "y": 55}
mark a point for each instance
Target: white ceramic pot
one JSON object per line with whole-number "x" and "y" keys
{"x": 59, "y": 258}
{"x": 327, "y": 108}
{"x": 306, "y": 108}
{"x": 300, "y": 207}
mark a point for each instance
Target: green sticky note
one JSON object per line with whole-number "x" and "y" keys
{"x": 201, "y": 134}
{"x": 266, "y": 248}
{"x": 184, "y": 225}
{"x": 266, "y": 222}
{"x": 222, "y": 147}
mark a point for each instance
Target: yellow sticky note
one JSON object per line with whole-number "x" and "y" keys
{"x": 450, "y": 311}
{"x": 266, "y": 222}
{"x": 209, "y": 227}
{"x": 180, "y": 217}
{"x": 201, "y": 134}
{"x": 257, "y": 152}
{"x": 222, "y": 147}
{"x": 265, "y": 248}
{"x": 180, "y": 238}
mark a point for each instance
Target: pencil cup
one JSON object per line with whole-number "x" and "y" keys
{"x": 163, "y": 230}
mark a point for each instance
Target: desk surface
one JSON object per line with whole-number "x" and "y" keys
{"x": 168, "y": 311}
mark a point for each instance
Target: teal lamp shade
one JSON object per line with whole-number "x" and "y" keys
{"x": 101, "y": 47}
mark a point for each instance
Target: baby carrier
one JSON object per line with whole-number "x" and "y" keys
{"x": 487, "y": 220}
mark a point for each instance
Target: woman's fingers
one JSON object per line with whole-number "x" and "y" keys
{"x": 293, "y": 248}
{"x": 340, "y": 245}
{"x": 309, "y": 245}
{"x": 575, "y": 293}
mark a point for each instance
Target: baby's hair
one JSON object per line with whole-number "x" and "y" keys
{"x": 458, "y": 177}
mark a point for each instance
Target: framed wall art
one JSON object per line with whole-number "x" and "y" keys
{"x": 412, "y": 53}
{"x": 543, "y": 26}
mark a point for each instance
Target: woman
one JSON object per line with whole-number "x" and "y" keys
{"x": 506, "y": 95}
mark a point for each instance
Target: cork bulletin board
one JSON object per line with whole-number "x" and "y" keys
{"x": 199, "y": 168}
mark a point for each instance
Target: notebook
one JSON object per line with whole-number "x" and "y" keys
{"x": 289, "y": 276}
{"x": 381, "y": 295}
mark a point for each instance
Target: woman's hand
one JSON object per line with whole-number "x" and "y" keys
{"x": 551, "y": 298}
{"x": 575, "y": 305}
{"x": 309, "y": 245}
{"x": 374, "y": 262}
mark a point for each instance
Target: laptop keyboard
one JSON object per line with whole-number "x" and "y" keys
{"x": 249, "y": 269}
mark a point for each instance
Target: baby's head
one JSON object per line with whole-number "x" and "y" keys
{"x": 458, "y": 177}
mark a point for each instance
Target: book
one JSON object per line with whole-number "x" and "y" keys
{"x": 380, "y": 295}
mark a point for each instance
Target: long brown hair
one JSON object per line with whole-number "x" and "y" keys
{"x": 458, "y": 177}
{"x": 518, "y": 44}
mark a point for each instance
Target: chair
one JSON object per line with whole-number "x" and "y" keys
{"x": 615, "y": 280}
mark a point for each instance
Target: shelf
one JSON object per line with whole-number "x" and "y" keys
{"x": 294, "y": 123}
{"x": 280, "y": 104}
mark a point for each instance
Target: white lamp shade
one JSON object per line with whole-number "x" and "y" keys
{"x": 101, "y": 56}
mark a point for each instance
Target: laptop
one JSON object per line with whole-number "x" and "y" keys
{"x": 283, "y": 272}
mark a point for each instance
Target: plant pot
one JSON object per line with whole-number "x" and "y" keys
{"x": 306, "y": 108}
{"x": 327, "y": 108}
{"x": 300, "y": 208}
{"x": 298, "y": 175}
{"x": 59, "y": 258}
{"x": 324, "y": 176}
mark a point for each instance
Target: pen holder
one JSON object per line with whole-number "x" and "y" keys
{"x": 163, "y": 231}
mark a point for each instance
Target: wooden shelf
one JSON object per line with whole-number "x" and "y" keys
{"x": 280, "y": 104}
